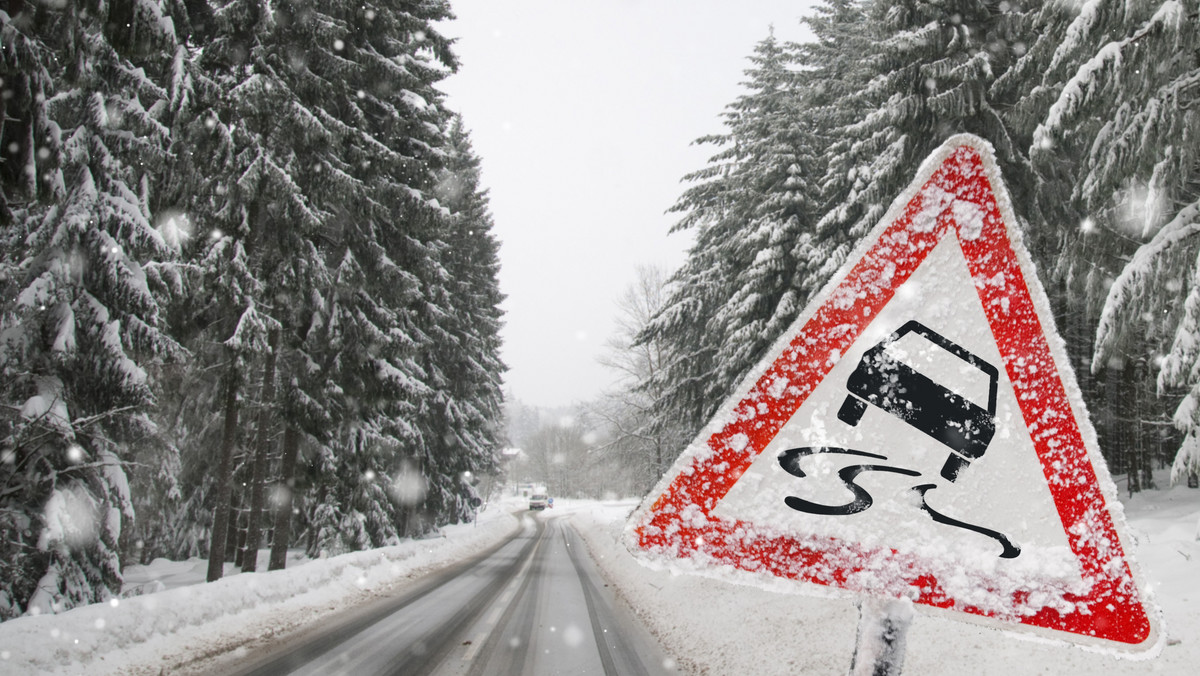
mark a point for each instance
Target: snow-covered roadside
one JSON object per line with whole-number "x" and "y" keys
{"x": 163, "y": 632}
{"x": 728, "y": 623}
{"x": 713, "y": 624}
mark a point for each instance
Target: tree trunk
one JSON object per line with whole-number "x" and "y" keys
{"x": 1143, "y": 395}
{"x": 233, "y": 543}
{"x": 283, "y": 507}
{"x": 262, "y": 445}
{"x": 237, "y": 533}
{"x": 222, "y": 512}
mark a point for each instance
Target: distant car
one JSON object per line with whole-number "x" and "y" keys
{"x": 538, "y": 501}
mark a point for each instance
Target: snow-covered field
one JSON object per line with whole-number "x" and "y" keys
{"x": 720, "y": 623}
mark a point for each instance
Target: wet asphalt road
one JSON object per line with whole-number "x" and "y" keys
{"x": 534, "y": 606}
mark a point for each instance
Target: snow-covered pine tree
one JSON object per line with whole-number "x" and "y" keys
{"x": 83, "y": 134}
{"x": 1075, "y": 257}
{"x": 1117, "y": 131}
{"x": 441, "y": 243}
{"x": 386, "y": 75}
{"x": 352, "y": 508}
{"x": 168, "y": 523}
{"x": 745, "y": 207}
{"x": 367, "y": 74}
{"x": 836, "y": 69}
{"x": 249, "y": 159}
{"x": 844, "y": 62}
{"x": 750, "y": 270}
{"x": 683, "y": 384}
{"x": 880, "y": 87}
{"x": 933, "y": 63}
{"x": 232, "y": 332}
{"x": 467, "y": 405}
{"x": 24, "y": 79}
{"x": 795, "y": 109}
{"x": 780, "y": 160}
{"x": 206, "y": 297}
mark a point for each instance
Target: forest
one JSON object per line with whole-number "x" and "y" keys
{"x": 249, "y": 288}
{"x": 1092, "y": 108}
{"x": 249, "y": 275}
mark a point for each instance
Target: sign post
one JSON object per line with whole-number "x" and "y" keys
{"x": 918, "y": 434}
{"x": 882, "y": 637}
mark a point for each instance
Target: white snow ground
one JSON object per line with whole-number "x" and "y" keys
{"x": 714, "y": 624}
{"x": 727, "y": 623}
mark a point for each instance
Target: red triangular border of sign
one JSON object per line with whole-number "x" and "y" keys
{"x": 679, "y": 523}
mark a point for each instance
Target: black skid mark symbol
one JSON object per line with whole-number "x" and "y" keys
{"x": 1011, "y": 551}
{"x": 790, "y": 461}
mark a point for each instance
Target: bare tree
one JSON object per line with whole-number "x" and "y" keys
{"x": 644, "y": 447}
{"x": 557, "y": 457}
{"x": 637, "y": 362}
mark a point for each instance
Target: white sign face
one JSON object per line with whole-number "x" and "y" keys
{"x": 1003, "y": 490}
{"x": 913, "y": 434}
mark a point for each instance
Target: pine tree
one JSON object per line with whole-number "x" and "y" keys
{"x": 826, "y": 136}
{"x": 933, "y": 65}
{"x": 1143, "y": 173}
{"x": 392, "y": 239}
{"x": 244, "y": 147}
{"x": 81, "y": 319}
{"x": 1107, "y": 92}
{"x": 751, "y": 269}
{"x": 367, "y": 75}
{"x": 467, "y": 402}
{"x": 207, "y": 202}
{"x": 780, "y": 158}
{"x": 749, "y": 197}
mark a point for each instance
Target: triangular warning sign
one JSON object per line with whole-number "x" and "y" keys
{"x": 918, "y": 432}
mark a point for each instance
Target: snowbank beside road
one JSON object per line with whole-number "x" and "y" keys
{"x": 166, "y": 631}
{"x": 714, "y": 623}
{"x": 723, "y": 622}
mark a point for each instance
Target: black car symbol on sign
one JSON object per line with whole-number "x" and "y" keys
{"x": 896, "y": 387}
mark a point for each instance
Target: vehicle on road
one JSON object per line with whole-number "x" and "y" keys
{"x": 539, "y": 501}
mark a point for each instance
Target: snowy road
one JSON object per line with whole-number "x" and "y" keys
{"x": 535, "y": 605}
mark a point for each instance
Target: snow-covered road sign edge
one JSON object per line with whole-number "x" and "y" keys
{"x": 726, "y": 414}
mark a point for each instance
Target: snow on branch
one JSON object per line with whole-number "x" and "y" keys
{"x": 129, "y": 374}
{"x": 1187, "y": 459}
{"x": 49, "y": 406}
{"x": 1080, "y": 28}
{"x": 1137, "y": 131}
{"x": 1185, "y": 348}
{"x": 1089, "y": 80}
{"x": 251, "y": 331}
{"x": 1129, "y": 285}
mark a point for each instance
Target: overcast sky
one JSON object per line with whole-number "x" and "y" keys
{"x": 583, "y": 113}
